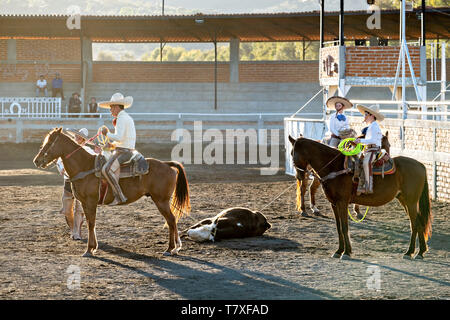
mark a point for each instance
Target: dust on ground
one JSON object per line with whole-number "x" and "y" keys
{"x": 292, "y": 260}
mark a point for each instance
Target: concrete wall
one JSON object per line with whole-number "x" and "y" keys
{"x": 425, "y": 141}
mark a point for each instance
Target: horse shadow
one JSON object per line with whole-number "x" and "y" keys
{"x": 259, "y": 243}
{"x": 195, "y": 278}
{"x": 408, "y": 273}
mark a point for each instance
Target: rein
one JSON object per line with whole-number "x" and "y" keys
{"x": 81, "y": 146}
{"x": 332, "y": 175}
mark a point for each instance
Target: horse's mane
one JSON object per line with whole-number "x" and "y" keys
{"x": 323, "y": 147}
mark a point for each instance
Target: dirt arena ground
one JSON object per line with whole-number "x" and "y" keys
{"x": 292, "y": 260}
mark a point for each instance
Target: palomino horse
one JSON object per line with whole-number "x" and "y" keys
{"x": 408, "y": 184}
{"x": 160, "y": 183}
{"x": 306, "y": 182}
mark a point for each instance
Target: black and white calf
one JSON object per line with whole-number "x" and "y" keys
{"x": 230, "y": 223}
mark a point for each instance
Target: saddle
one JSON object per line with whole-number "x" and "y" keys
{"x": 381, "y": 166}
{"x": 136, "y": 166}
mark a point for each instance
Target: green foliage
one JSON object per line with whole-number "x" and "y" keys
{"x": 249, "y": 51}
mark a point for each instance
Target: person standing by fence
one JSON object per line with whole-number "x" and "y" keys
{"x": 57, "y": 86}
{"x": 93, "y": 106}
{"x": 74, "y": 105}
{"x": 41, "y": 86}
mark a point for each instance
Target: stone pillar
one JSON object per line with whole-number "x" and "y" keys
{"x": 234, "y": 60}
{"x": 87, "y": 71}
{"x": 12, "y": 56}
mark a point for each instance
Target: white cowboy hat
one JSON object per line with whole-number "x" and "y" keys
{"x": 373, "y": 109}
{"x": 331, "y": 102}
{"x": 117, "y": 98}
{"x": 83, "y": 133}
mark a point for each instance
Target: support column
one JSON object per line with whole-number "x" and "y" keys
{"x": 86, "y": 58}
{"x": 443, "y": 80}
{"x": 234, "y": 60}
{"x": 423, "y": 79}
{"x": 11, "y": 53}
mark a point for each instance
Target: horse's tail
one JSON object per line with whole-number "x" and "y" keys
{"x": 180, "y": 204}
{"x": 425, "y": 218}
{"x": 299, "y": 196}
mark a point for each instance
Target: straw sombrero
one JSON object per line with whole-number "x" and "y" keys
{"x": 373, "y": 109}
{"x": 332, "y": 101}
{"x": 83, "y": 132}
{"x": 117, "y": 98}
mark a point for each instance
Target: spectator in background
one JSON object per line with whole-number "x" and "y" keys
{"x": 74, "y": 104}
{"x": 57, "y": 86}
{"x": 41, "y": 86}
{"x": 93, "y": 107}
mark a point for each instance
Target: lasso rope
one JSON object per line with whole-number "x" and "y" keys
{"x": 348, "y": 148}
{"x": 358, "y": 221}
{"x": 103, "y": 140}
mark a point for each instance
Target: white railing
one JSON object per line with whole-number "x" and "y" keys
{"x": 16, "y": 107}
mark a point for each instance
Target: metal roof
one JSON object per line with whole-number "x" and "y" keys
{"x": 253, "y": 27}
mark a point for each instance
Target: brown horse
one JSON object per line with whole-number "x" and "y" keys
{"x": 307, "y": 182}
{"x": 408, "y": 184}
{"x": 160, "y": 183}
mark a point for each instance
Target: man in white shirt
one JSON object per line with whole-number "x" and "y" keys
{"x": 41, "y": 86}
{"x": 124, "y": 141}
{"x": 339, "y": 123}
{"x": 372, "y": 141}
{"x": 71, "y": 207}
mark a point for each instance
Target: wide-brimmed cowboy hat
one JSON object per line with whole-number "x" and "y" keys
{"x": 117, "y": 98}
{"x": 373, "y": 109}
{"x": 331, "y": 102}
{"x": 83, "y": 133}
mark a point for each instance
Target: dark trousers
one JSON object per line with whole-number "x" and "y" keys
{"x": 55, "y": 91}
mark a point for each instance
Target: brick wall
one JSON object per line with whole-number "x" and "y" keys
{"x": 304, "y": 71}
{"x": 438, "y": 69}
{"x": 377, "y": 61}
{"x": 3, "y": 49}
{"x": 49, "y": 50}
{"x": 29, "y": 72}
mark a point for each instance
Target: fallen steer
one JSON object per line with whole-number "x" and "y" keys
{"x": 230, "y": 223}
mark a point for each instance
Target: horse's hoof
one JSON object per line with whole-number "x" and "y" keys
{"x": 174, "y": 252}
{"x": 407, "y": 256}
{"x": 166, "y": 253}
{"x": 304, "y": 214}
{"x": 88, "y": 254}
{"x": 418, "y": 257}
{"x": 359, "y": 216}
{"x": 346, "y": 257}
{"x": 76, "y": 237}
{"x": 336, "y": 255}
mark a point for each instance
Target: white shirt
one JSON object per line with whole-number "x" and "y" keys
{"x": 41, "y": 84}
{"x": 336, "y": 125}
{"x": 124, "y": 135}
{"x": 373, "y": 135}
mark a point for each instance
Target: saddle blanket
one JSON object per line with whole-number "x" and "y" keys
{"x": 378, "y": 167}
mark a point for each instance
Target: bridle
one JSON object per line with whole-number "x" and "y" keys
{"x": 47, "y": 151}
{"x": 316, "y": 174}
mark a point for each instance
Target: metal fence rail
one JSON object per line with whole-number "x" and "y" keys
{"x": 43, "y": 108}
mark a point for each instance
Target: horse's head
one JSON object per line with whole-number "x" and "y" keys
{"x": 49, "y": 150}
{"x": 299, "y": 163}
{"x": 385, "y": 143}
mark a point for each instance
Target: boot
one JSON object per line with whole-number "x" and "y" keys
{"x": 113, "y": 179}
{"x": 370, "y": 185}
